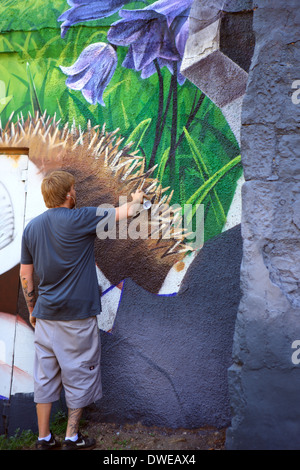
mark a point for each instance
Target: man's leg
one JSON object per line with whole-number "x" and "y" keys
{"x": 74, "y": 439}
{"x": 43, "y": 411}
{"x": 47, "y": 379}
{"x": 46, "y": 440}
{"x": 74, "y": 416}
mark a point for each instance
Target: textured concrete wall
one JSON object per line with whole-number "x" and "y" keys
{"x": 264, "y": 379}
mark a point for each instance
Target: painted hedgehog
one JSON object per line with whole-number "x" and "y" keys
{"x": 104, "y": 171}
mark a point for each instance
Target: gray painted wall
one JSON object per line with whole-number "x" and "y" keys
{"x": 264, "y": 381}
{"x": 166, "y": 361}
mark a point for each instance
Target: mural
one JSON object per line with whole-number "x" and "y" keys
{"x": 97, "y": 88}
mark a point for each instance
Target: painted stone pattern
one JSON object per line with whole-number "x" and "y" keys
{"x": 123, "y": 95}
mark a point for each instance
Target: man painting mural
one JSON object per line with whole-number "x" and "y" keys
{"x": 59, "y": 246}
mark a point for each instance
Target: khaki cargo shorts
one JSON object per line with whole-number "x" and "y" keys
{"x": 67, "y": 354}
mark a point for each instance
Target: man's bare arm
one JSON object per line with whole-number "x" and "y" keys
{"x": 27, "y": 283}
{"x": 130, "y": 208}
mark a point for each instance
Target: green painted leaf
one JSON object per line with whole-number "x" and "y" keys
{"x": 199, "y": 196}
{"x": 162, "y": 164}
{"x": 137, "y": 135}
{"x": 202, "y": 166}
{"x": 4, "y": 102}
{"x": 33, "y": 94}
{"x": 109, "y": 90}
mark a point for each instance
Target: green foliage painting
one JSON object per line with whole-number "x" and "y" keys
{"x": 118, "y": 62}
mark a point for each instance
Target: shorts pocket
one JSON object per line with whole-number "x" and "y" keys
{"x": 90, "y": 365}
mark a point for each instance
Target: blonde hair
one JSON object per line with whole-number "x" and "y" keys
{"x": 55, "y": 187}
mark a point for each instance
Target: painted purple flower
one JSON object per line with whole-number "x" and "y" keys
{"x": 87, "y": 10}
{"x": 157, "y": 32}
{"x": 172, "y": 9}
{"x": 92, "y": 71}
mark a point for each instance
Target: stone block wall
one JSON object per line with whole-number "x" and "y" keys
{"x": 264, "y": 378}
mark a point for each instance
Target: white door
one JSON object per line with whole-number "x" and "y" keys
{"x": 13, "y": 189}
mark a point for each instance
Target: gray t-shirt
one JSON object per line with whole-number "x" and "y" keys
{"x": 60, "y": 245}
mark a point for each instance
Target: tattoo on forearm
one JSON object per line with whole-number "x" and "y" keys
{"x": 29, "y": 296}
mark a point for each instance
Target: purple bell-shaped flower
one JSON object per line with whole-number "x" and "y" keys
{"x": 92, "y": 71}
{"x": 88, "y": 10}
